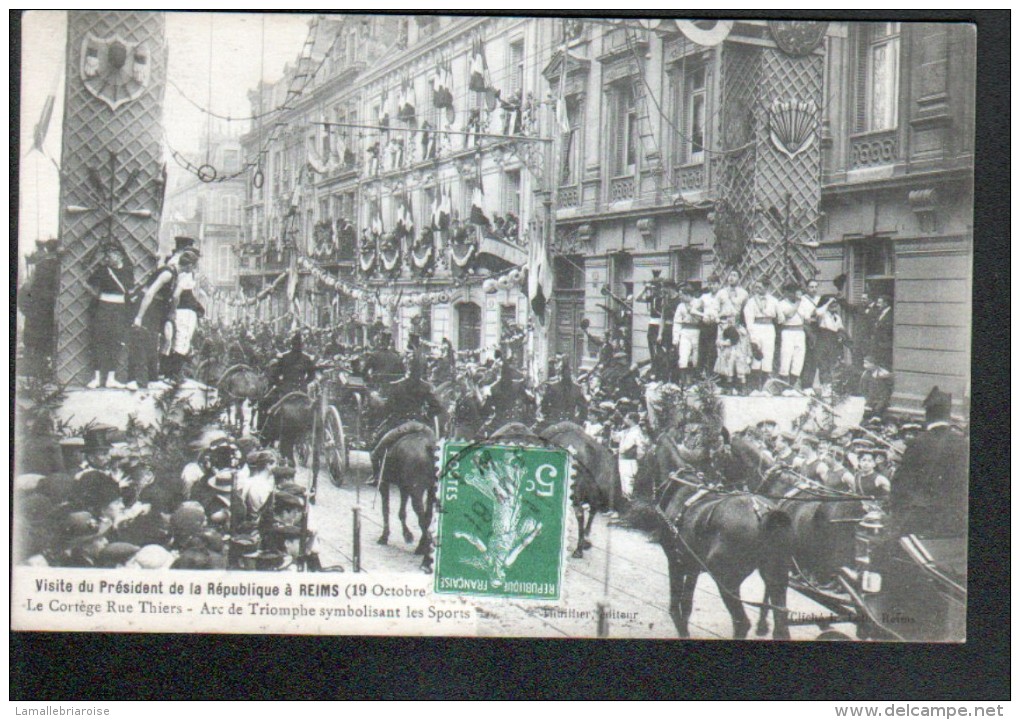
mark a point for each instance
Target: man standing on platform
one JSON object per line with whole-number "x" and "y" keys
{"x": 670, "y": 300}
{"x": 686, "y": 333}
{"x": 809, "y": 303}
{"x": 732, "y": 296}
{"x": 109, "y": 284}
{"x": 761, "y": 312}
{"x": 37, "y": 301}
{"x": 792, "y": 342}
{"x": 709, "y": 325}
{"x": 154, "y": 311}
{"x": 652, "y": 297}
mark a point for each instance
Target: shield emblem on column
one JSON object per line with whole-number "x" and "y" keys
{"x": 114, "y": 70}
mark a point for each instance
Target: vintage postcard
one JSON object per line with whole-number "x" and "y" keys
{"x": 493, "y": 326}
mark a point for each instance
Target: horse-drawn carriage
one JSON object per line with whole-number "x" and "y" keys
{"x": 909, "y": 588}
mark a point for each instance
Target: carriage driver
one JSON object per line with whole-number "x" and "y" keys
{"x": 410, "y": 405}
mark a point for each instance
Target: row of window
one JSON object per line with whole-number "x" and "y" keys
{"x": 687, "y": 123}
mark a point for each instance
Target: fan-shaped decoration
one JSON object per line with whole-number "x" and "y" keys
{"x": 792, "y": 125}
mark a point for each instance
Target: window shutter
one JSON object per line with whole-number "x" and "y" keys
{"x": 861, "y": 83}
{"x": 620, "y": 134}
{"x": 857, "y": 272}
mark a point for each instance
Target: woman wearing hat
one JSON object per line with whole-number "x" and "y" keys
{"x": 109, "y": 285}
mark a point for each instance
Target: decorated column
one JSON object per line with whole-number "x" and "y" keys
{"x": 113, "y": 173}
{"x": 766, "y": 220}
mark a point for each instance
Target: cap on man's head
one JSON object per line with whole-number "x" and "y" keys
{"x": 97, "y": 438}
{"x": 184, "y": 242}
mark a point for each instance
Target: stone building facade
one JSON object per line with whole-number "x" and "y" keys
{"x": 787, "y": 151}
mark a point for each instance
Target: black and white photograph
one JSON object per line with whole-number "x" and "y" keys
{"x": 270, "y": 265}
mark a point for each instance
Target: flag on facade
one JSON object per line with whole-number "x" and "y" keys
{"x": 478, "y": 216}
{"x": 43, "y": 126}
{"x": 480, "y": 80}
{"x": 539, "y": 272}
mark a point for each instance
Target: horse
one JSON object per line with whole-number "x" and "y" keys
{"x": 727, "y": 533}
{"x": 408, "y": 461}
{"x": 288, "y": 421}
{"x": 824, "y": 518}
{"x": 237, "y": 384}
{"x": 596, "y": 477}
{"x": 596, "y": 473}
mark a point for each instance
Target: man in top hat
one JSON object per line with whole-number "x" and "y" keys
{"x": 96, "y": 450}
{"x": 109, "y": 285}
{"x": 37, "y": 299}
{"x": 154, "y": 311}
{"x": 929, "y": 489}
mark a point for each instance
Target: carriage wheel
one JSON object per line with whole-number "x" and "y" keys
{"x": 334, "y": 446}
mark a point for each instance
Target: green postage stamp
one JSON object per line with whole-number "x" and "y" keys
{"x": 502, "y": 527}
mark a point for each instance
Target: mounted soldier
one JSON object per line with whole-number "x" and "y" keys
{"x": 410, "y": 405}
{"x": 563, "y": 399}
{"x": 288, "y": 372}
{"x": 509, "y": 400}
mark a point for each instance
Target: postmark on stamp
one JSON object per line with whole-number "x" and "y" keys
{"x": 502, "y": 525}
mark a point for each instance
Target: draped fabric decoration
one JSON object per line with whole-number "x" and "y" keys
{"x": 463, "y": 246}
{"x": 423, "y": 252}
{"x": 481, "y": 80}
{"x": 323, "y": 237}
{"x": 316, "y": 163}
{"x": 389, "y": 254}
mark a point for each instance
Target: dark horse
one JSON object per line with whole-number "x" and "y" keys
{"x": 237, "y": 384}
{"x": 596, "y": 474}
{"x": 728, "y": 534}
{"x": 824, "y": 518}
{"x": 409, "y": 462}
{"x": 288, "y": 421}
